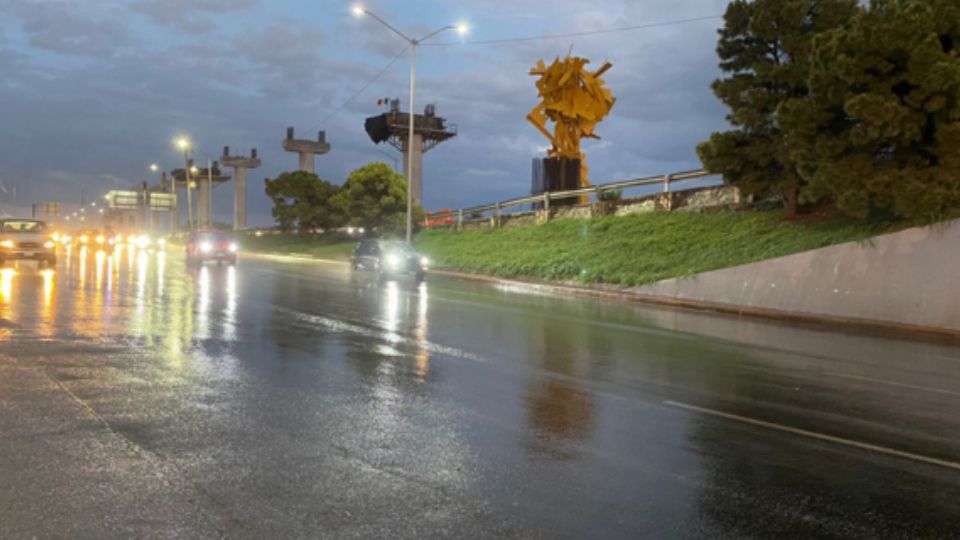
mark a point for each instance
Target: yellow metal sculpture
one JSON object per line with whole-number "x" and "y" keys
{"x": 576, "y": 100}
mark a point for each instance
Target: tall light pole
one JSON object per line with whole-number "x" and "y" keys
{"x": 461, "y": 29}
{"x": 183, "y": 143}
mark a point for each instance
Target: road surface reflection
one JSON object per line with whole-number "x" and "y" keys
{"x": 551, "y": 411}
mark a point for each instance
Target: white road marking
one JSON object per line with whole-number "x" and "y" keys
{"x": 820, "y": 436}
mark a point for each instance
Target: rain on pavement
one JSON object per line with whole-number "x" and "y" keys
{"x": 142, "y": 397}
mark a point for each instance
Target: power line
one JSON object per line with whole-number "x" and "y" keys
{"x": 390, "y": 64}
{"x": 575, "y": 34}
{"x": 362, "y": 89}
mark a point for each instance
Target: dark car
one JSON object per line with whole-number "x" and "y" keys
{"x": 211, "y": 245}
{"x": 26, "y": 239}
{"x": 389, "y": 258}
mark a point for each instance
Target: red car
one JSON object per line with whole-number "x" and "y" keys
{"x": 211, "y": 245}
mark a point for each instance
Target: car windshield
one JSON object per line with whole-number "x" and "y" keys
{"x": 396, "y": 246}
{"x": 22, "y": 226}
{"x": 212, "y": 237}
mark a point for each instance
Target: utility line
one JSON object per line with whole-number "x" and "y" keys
{"x": 574, "y": 34}
{"x": 362, "y": 89}
{"x": 509, "y": 40}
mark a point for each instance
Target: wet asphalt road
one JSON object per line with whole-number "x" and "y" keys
{"x": 293, "y": 399}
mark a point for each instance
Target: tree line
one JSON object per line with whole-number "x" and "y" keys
{"x": 373, "y": 197}
{"x": 843, "y": 103}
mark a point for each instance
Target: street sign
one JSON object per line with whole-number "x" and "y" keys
{"x": 124, "y": 200}
{"x": 162, "y": 201}
{"x": 51, "y": 210}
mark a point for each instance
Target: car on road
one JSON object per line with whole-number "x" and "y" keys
{"x": 91, "y": 238}
{"x": 26, "y": 239}
{"x": 211, "y": 245}
{"x": 389, "y": 258}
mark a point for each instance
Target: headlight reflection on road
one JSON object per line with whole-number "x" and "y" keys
{"x": 422, "y": 366}
{"x": 49, "y": 311}
{"x": 391, "y": 305}
{"x": 230, "y": 309}
{"x": 49, "y": 280}
{"x": 6, "y": 283}
{"x": 82, "y": 254}
{"x": 203, "y": 303}
{"x": 143, "y": 263}
{"x": 161, "y": 264}
{"x": 101, "y": 262}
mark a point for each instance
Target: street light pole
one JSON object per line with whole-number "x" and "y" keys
{"x": 186, "y": 175}
{"x": 413, "y": 77}
{"x": 360, "y": 11}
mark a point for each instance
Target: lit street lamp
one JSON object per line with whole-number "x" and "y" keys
{"x": 461, "y": 29}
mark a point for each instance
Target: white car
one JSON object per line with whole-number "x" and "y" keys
{"x": 26, "y": 240}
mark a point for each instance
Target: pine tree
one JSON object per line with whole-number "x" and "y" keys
{"x": 765, "y": 47}
{"x": 879, "y": 132}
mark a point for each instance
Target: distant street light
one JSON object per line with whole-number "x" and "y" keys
{"x": 183, "y": 143}
{"x": 154, "y": 167}
{"x": 461, "y": 28}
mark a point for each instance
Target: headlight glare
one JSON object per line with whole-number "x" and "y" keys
{"x": 206, "y": 247}
{"x": 6, "y": 244}
{"x": 234, "y": 247}
{"x": 49, "y": 244}
{"x": 393, "y": 260}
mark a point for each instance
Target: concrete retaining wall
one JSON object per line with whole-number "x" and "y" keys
{"x": 909, "y": 278}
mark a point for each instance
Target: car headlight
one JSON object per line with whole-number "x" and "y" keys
{"x": 234, "y": 247}
{"x": 84, "y": 239}
{"x": 101, "y": 239}
{"x": 49, "y": 244}
{"x": 6, "y": 244}
{"x": 206, "y": 247}
{"x": 392, "y": 260}
{"x": 424, "y": 262}
{"x": 143, "y": 241}
{"x": 162, "y": 242}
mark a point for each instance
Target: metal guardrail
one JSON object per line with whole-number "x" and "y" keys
{"x": 546, "y": 197}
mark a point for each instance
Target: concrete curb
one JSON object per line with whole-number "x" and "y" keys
{"x": 827, "y": 322}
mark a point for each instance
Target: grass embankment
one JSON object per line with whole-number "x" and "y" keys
{"x": 321, "y": 247}
{"x": 635, "y": 249}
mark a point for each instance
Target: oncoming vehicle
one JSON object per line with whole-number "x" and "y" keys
{"x": 28, "y": 240}
{"x": 211, "y": 245}
{"x": 389, "y": 258}
{"x": 90, "y": 238}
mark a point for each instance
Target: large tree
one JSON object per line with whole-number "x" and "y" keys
{"x": 765, "y": 48}
{"x": 375, "y": 197}
{"x": 303, "y": 200}
{"x": 879, "y": 132}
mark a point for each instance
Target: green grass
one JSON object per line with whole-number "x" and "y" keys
{"x": 321, "y": 247}
{"x": 635, "y": 249}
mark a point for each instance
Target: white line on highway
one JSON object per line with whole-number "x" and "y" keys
{"x": 894, "y": 383}
{"x": 820, "y": 436}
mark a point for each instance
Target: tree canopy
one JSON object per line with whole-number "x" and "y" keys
{"x": 375, "y": 197}
{"x": 302, "y": 200}
{"x": 879, "y": 133}
{"x": 765, "y": 47}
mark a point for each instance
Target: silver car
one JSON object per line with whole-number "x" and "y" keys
{"x": 26, "y": 240}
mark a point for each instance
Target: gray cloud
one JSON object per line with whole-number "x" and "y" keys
{"x": 70, "y": 27}
{"x": 190, "y": 16}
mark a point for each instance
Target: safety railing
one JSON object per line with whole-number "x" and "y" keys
{"x": 450, "y": 217}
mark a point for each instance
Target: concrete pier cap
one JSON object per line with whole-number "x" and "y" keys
{"x": 307, "y": 149}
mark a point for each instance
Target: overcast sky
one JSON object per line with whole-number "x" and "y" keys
{"x": 93, "y": 91}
